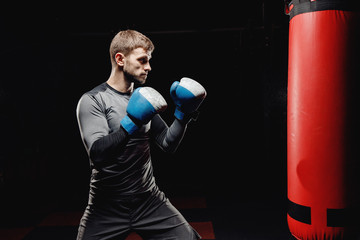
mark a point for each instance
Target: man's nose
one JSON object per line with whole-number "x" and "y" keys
{"x": 147, "y": 67}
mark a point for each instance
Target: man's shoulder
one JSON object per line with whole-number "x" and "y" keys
{"x": 96, "y": 90}
{"x": 93, "y": 96}
{"x": 92, "y": 100}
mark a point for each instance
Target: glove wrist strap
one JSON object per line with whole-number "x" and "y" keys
{"x": 179, "y": 114}
{"x": 129, "y": 125}
{"x": 186, "y": 117}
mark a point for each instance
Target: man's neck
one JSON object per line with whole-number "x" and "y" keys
{"x": 118, "y": 82}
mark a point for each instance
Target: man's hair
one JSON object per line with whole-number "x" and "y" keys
{"x": 128, "y": 40}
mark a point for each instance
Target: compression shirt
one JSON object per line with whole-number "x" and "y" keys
{"x": 120, "y": 163}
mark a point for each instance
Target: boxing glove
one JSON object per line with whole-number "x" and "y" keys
{"x": 143, "y": 104}
{"x": 187, "y": 96}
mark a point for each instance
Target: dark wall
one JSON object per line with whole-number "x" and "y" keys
{"x": 50, "y": 59}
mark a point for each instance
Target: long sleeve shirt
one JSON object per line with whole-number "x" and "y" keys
{"x": 120, "y": 163}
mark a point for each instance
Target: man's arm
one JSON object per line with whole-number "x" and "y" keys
{"x": 167, "y": 138}
{"x": 187, "y": 95}
{"x": 94, "y": 130}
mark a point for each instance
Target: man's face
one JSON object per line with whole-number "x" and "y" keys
{"x": 137, "y": 65}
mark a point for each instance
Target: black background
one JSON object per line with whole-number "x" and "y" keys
{"x": 51, "y": 55}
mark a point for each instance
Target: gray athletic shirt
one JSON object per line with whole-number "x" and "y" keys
{"x": 120, "y": 163}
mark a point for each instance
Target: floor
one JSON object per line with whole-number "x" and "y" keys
{"x": 214, "y": 217}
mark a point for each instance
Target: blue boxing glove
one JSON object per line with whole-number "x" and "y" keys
{"x": 187, "y": 96}
{"x": 143, "y": 104}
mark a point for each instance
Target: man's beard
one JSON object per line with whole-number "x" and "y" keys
{"x": 131, "y": 78}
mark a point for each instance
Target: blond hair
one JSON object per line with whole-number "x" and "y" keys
{"x": 126, "y": 41}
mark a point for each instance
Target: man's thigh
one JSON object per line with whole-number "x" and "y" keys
{"x": 182, "y": 232}
{"x": 102, "y": 223}
{"x": 165, "y": 222}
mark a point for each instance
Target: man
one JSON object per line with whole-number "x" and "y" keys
{"x": 116, "y": 124}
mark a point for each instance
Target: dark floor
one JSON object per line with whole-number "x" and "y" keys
{"x": 214, "y": 217}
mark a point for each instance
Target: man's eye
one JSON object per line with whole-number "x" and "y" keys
{"x": 143, "y": 60}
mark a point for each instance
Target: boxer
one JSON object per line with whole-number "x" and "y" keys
{"x": 117, "y": 123}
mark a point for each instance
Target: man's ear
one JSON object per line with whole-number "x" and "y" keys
{"x": 119, "y": 59}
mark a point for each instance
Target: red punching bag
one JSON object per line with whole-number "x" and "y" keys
{"x": 323, "y": 76}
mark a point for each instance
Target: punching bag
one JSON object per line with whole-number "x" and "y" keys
{"x": 323, "y": 106}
